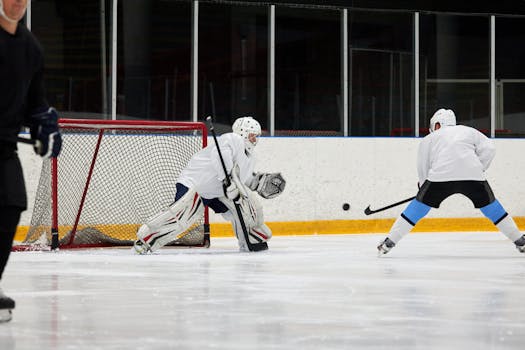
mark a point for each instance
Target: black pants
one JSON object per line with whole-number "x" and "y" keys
{"x": 9, "y": 218}
{"x": 433, "y": 193}
{"x": 214, "y": 203}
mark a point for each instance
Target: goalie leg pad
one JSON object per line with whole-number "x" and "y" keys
{"x": 257, "y": 236}
{"x": 166, "y": 226}
{"x": 258, "y": 231}
{"x": 262, "y": 232}
{"x": 231, "y": 215}
{"x": 253, "y": 218}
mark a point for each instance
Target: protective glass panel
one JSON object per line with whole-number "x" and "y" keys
{"x": 510, "y": 77}
{"x": 307, "y": 72}
{"x": 75, "y": 37}
{"x": 233, "y": 63}
{"x": 455, "y": 67}
{"x": 381, "y": 67}
{"x": 154, "y": 60}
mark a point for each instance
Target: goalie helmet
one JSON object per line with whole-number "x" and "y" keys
{"x": 249, "y": 129}
{"x": 445, "y": 117}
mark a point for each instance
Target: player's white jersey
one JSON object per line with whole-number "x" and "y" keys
{"x": 206, "y": 179}
{"x": 454, "y": 153}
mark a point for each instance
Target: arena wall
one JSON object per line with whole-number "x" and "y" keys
{"x": 324, "y": 173}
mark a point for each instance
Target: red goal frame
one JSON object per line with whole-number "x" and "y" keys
{"x": 102, "y": 126}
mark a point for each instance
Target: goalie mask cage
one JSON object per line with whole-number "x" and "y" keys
{"x": 110, "y": 177}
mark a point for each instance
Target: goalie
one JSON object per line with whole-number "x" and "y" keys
{"x": 203, "y": 183}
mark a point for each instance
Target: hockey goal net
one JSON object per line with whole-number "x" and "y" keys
{"x": 110, "y": 177}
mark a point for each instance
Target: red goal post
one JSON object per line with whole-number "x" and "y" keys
{"x": 110, "y": 177}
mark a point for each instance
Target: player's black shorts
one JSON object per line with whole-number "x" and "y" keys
{"x": 433, "y": 193}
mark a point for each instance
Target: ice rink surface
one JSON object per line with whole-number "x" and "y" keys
{"x": 432, "y": 291}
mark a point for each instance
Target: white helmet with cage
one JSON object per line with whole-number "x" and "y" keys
{"x": 249, "y": 129}
{"x": 445, "y": 117}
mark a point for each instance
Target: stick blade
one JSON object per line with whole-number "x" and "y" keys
{"x": 258, "y": 247}
{"x": 368, "y": 211}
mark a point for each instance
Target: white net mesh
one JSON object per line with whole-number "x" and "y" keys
{"x": 111, "y": 179}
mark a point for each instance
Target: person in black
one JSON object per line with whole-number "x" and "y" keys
{"x": 22, "y": 104}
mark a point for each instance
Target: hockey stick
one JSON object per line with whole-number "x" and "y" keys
{"x": 253, "y": 247}
{"x": 369, "y": 211}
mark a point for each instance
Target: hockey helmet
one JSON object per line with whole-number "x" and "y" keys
{"x": 445, "y": 117}
{"x": 249, "y": 129}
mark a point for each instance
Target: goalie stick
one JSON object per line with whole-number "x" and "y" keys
{"x": 253, "y": 247}
{"x": 369, "y": 211}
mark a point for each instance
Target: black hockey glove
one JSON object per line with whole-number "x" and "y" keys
{"x": 44, "y": 130}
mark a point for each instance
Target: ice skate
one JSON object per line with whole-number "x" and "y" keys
{"x": 385, "y": 246}
{"x": 6, "y": 306}
{"x": 520, "y": 244}
{"x": 141, "y": 247}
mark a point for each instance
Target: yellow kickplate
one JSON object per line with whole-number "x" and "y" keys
{"x": 320, "y": 227}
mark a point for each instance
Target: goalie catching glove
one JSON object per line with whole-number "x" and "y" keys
{"x": 268, "y": 185}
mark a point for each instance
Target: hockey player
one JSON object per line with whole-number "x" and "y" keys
{"x": 22, "y": 102}
{"x": 453, "y": 159}
{"x": 203, "y": 182}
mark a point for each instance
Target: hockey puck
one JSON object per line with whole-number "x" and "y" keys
{"x": 346, "y": 206}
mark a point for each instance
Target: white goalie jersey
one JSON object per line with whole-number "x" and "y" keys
{"x": 208, "y": 180}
